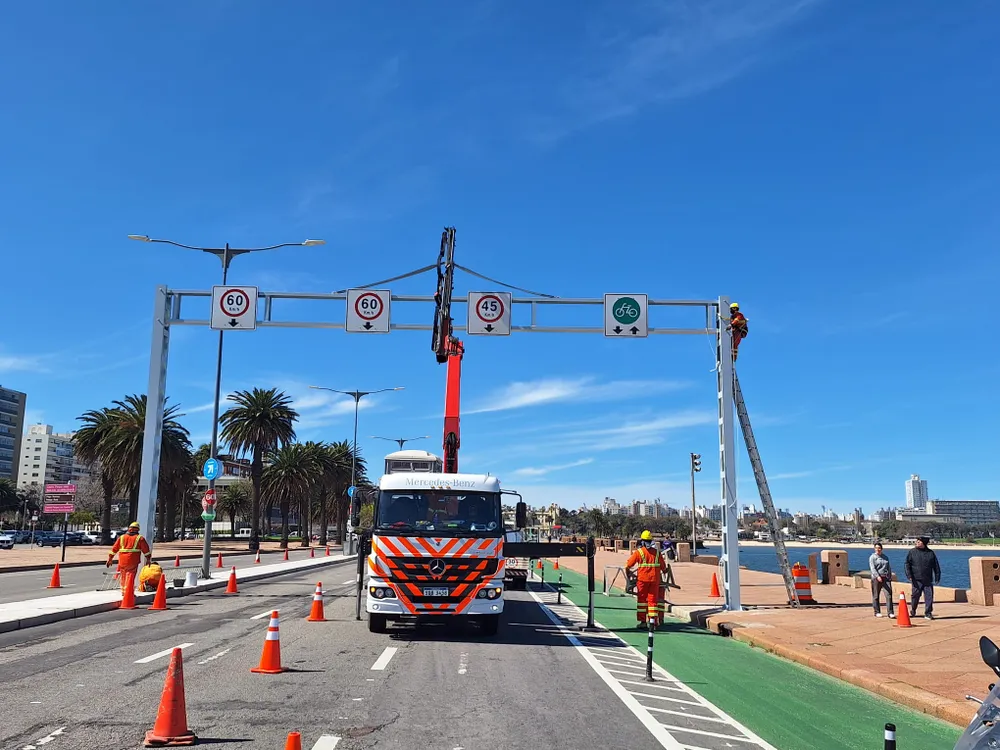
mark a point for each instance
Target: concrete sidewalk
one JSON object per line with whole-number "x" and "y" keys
{"x": 26, "y": 614}
{"x": 930, "y": 667}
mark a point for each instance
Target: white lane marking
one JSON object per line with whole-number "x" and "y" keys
{"x": 706, "y": 734}
{"x": 383, "y": 661}
{"x": 677, "y": 687}
{"x": 463, "y": 663}
{"x": 213, "y": 658}
{"x": 161, "y": 654}
{"x": 347, "y": 582}
{"x": 326, "y": 742}
{"x": 686, "y": 714}
{"x": 652, "y": 725}
{"x": 45, "y": 740}
{"x": 262, "y": 615}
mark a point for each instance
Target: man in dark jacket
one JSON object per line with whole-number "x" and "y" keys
{"x": 924, "y": 572}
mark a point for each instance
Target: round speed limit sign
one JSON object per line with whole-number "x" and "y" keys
{"x": 490, "y": 308}
{"x": 368, "y": 306}
{"x": 234, "y": 303}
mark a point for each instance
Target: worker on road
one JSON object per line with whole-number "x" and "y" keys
{"x": 738, "y": 325}
{"x": 651, "y": 567}
{"x": 129, "y": 547}
{"x": 149, "y": 576}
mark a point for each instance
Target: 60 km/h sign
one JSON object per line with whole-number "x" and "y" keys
{"x": 234, "y": 308}
{"x": 489, "y": 313}
{"x": 626, "y": 315}
{"x": 367, "y": 311}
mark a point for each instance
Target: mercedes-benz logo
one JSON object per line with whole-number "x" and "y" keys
{"x": 436, "y": 567}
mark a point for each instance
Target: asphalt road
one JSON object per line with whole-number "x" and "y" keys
{"x": 96, "y": 681}
{"x": 31, "y": 584}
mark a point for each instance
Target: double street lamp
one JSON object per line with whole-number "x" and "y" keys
{"x": 225, "y": 255}
{"x": 401, "y": 441}
{"x": 357, "y": 396}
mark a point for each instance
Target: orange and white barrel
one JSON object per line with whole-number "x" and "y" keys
{"x": 803, "y": 587}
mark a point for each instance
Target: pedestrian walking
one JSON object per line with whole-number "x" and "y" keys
{"x": 924, "y": 572}
{"x": 881, "y": 570}
{"x": 651, "y": 567}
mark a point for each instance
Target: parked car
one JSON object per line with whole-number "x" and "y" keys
{"x": 6, "y": 541}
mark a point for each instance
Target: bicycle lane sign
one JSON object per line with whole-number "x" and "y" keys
{"x": 625, "y": 315}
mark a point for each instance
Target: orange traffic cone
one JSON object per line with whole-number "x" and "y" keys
{"x": 286, "y": 553}
{"x": 328, "y": 550}
{"x": 714, "y": 591}
{"x": 160, "y": 600}
{"x": 316, "y": 613}
{"x": 555, "y": 565}
{"x": 294, "y": 741}
{"x": 55, "y": 583}
{"x": 177, "y": 561}
{"x": 231, "y": 587}
{"x": 219, "y": 563}
{"x": 903, "y": 618}
{"x": 270, "y": 658}
{"x": 257, "y": 559}
{"x": 171, "y": 726}
{"x": 312, "y": 552}
{"x": 128, "y": 593}
{"x": 539, "y": 565}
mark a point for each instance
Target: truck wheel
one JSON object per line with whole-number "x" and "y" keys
{"x": 489, "y": 624}
{"x": 376, "y": 623}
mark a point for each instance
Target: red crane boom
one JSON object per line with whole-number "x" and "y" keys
{"x": 452, "y": 406}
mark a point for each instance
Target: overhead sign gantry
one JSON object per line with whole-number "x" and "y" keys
{"x": 366, "y": 310}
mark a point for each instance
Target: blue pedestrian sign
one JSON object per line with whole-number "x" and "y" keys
{"x": 350, "y": 491}
{"x": 212, "y": 469}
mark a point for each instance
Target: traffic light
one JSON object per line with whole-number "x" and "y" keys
{"x": 695, "y": 462}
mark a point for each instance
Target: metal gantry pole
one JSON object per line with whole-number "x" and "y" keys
{"x": 694, "y": 515}
{"x": 727, "y": 462}
{"x": 206, "y": 549}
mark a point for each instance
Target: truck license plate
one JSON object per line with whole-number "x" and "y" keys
{"x": 436, "y": 592}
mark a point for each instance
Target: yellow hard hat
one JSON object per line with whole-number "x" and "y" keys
{"x": 134, "y": 525}
{"x": 646, "y": 536}
{"x": 735, "y": 305}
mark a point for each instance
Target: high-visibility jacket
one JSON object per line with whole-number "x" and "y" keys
{"x": 149, "y": 577}
{"x": 130, "y": 548}
{"x": 650, "y": 562}
{"x": 739, "y": 323}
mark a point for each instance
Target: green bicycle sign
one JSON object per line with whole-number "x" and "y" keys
{"x": 626, "y": 311}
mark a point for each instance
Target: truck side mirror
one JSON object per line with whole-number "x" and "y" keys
{"x": 355, "y": 511}
{"x": 521, "y": 515}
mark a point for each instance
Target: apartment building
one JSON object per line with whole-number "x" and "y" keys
{"x": 11, "y": 425}
{"x": 48, "y": 457}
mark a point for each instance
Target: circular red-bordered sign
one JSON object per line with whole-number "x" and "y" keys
{"x": 234, "y": 303}
{"x": 490, "y": 308}
{"x": 368, "y": 306}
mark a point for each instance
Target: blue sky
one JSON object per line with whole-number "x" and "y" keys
{"x": 831, "y": 165}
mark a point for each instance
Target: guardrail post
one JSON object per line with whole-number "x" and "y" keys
{"x": 890, "y": 737}
{"x": 649, "y": 652}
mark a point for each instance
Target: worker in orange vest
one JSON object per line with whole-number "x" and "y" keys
{"x": 651, "y": 567}
{"x": 130, "y": 547}
{"x": 738, "y": 326}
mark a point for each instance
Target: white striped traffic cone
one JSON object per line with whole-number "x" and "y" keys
{"x": 270, "y": 658}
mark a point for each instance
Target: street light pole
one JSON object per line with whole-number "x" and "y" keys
{"x": 401, "y": 441}
{"x": 357, "y": 396}
{"x": 225, "y": 256}
{"x": 695, "y": 466}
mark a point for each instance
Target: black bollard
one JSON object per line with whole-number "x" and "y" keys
{"x": 559, "y": 595}
{"x": 649, "y": 652}
{"x": 890, "y": 737}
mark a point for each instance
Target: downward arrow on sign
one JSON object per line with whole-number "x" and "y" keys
{"x": 368, "y": 326}
{"x": 489, "y": 327}
{"x": 234, "y": 322}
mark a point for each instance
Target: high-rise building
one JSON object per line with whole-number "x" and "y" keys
{"x": 48, "y": 458}
{"x": 11, "y": 425}
{"x": 916, "y": 492}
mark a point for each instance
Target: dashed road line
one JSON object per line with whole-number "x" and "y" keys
{"x": 161, "y": 654}
{"x": 213, "y": 658}
{"x": 463, "y": 663}
{"x": 383, "y": 661}
{"x": 262, "y": 615}
{"x": 677, "y": 716}
{"x": 326, "y": 742}
{"x": 43, "y": 741}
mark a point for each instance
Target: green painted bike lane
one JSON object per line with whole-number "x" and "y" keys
{"x": 790, "y": 706}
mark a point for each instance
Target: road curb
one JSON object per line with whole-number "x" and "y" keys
{"x": 83, "y": 564}
{"x": 172, "y": 593}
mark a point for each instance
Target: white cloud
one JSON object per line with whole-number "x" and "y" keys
{"x": 199, "y": 409}
{"x": 539, "y": 471}
{"x": 15, "y": 363}
{"x": 318, "y": 408}
{"x": 676, "y": 494}
{"x": 522, "y": 394}
{"x": 34, "y": 416}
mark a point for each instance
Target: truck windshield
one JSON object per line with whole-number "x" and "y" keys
{"x": 467, "y": 513}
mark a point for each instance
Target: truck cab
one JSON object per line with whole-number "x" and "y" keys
{"x": 436, "y": 548}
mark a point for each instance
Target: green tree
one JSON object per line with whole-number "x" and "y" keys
{"x": 261, "y": 421}
{"x": 342, "y": 481}
{"x": 177, "y": 482}
{"x": 9, "y": 500}
{"x": 90, "y": 443}
{"x": 288, "y": 477}
{"x": 236, "y": 500}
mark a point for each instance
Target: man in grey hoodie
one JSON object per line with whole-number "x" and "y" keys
{"x": 881, "y": 579}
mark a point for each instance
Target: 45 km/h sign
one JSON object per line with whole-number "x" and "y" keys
{"x": 489, "y": 314}
{"x": 625, "y": 315}
{"x": 234, "y": 308}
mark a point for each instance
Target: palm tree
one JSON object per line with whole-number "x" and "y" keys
{"x": 288, "y": 477}
{"x": 178, "y": 479}
{"x": 8, "y": 495}
{"x": 260, "y": 422}
{"x": 122, "y": 445}
{"x": 235, "y": 501}
{"x": 342, "y": 480}
{"x": 91, "y": 444}
{"x": 327, "y": 462}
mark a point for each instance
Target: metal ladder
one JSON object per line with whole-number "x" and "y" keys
{"x": 765, "y": 493}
